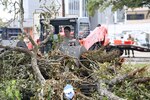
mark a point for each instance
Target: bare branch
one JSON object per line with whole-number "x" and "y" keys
{"x": 103, "y": 91}
{"x": 33, "y": 43}
{"x": 36, "y": 70}
{"x": 4, "y": 53}
{"x": 141, "y": 80}
{"x": 121, "y": 78}
{"x": 83, "y": 96}
{"x": 19, "y": 49}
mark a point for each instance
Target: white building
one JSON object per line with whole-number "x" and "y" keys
{"x": 72, "y": 8}
{"x": 76, "y": 8}
{"x": 134, "y": 19}
{"x": 123, "y": 20}
{"x": 115, "y": 21}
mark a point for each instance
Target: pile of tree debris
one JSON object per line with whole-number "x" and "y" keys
{"x": 96, "y": 75}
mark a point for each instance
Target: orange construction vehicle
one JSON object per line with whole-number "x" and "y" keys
{"x": 99, "y": 34}
{"x": 83, "y": 39}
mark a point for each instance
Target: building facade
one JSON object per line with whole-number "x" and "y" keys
{"x": 73, "y": 8}
{"x": 76, "y": 8}
{"x": 123, "y": 20}
{"x": 108, "y": 17}
{"x": 138, "y": 15}
{"x": 133, "y": 20}
{"x": 127, "y": 19}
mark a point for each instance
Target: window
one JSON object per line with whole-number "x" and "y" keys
{"x": 84, "y": 29}
{"x": 73, "y": 7}
{"x": 135, "y": 16}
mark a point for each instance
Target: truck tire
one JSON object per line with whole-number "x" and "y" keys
{"x": 118, "y": 50}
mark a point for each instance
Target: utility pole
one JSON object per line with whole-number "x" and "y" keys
{"x": 63, "y": 8}
{"x": 81, "y": 5}
{"x": 21, "y": 14}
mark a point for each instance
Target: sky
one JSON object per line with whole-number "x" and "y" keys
{"x": 4, "y": 15}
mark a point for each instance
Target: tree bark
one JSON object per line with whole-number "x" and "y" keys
{"x": 36, "y": 70}
{"x": 103, "y": 91}
{"x": 33, "y": 61}
{"x": 63, "y": 8}
{"x": 19, "y": 49}
{"x": 141, "y": 80}
{"x": 34, "y": 53}
{"x": 100, "y": 55}
{"x": 119, "y": 79}
{"x": 21, "y": 14}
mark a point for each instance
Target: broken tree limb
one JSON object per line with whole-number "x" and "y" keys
{"x": 121, "y": 78}
{"x": 4, "y": 53}
{"x": 36, "y": 69}
{"x": 34, "y": 64}
{"x": 33, "y": 42}
{"x": 83, "y": 96}
{"x": 84, "y": 67}
{"x": 141, "y": 80}
{"x": 104, "y": 92}
{"x": 19, "y": 49}
{"x": 100, "y": 55}
{"x": 139, "y": 70}
{"x": 142, "y": 92}
{"x": 33, "y": 61}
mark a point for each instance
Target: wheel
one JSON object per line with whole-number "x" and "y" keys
{"x": 118, "y": 50}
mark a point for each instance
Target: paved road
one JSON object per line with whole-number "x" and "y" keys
{"x": 140, "y": 57}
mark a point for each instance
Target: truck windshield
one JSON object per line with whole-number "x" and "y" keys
{"x": 84, "y": 29}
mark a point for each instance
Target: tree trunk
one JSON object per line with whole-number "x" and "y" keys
{"x": 36, "y": 70}
{"x": 103, "y": 91}
{"x": 63, "y": 8}
{"x": 21, "y": 14}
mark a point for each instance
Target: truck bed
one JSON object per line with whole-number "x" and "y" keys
{"x": 132, "y": 47}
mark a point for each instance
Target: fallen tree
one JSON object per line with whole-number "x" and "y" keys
{"x": 93, "y": 79}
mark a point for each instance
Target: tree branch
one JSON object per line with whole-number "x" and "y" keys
{"x": 19, "y": 49}
{"x": 103, "y": 91}
{"x": 4, "y": 53}
{"x": 36, "y": 70}
{"x": 119, "y": 79}
{"x": 141, "y": 80}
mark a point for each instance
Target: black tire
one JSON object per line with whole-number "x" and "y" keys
{"x": 118, "y": 50}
